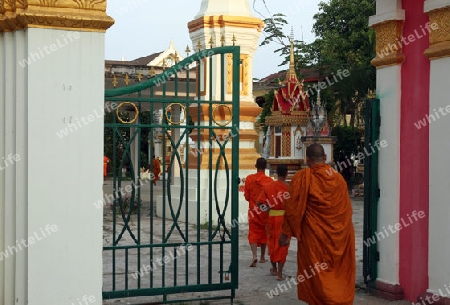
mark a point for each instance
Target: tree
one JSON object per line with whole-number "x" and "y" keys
{"x": 344, "y": 42}
{"x": 347, "y": 42}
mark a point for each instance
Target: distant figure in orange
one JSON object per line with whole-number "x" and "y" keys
{"x": 272, "y": 198}
{"x": 257, "y": 218}
{"x": 156, "y": 169}
{"x": 105, "y": 167}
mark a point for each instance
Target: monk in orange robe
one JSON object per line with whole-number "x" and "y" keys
{"x": 272, "y": 197}
{"x": 257, "y": 219}
{"x": 319, "y": 215}
{"x": 156, "y": 170}
{"x": 105, "y": 167}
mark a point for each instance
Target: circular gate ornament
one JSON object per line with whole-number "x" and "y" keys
{"x": 135, "y": 109}
{"x": 214, "y": 116}
{"x": 168, "y": 113}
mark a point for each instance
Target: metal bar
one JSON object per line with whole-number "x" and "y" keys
{"x": 210, "y": 157}
{"x": 115, "y": 202}
{"x": 152, "y": 203}
{"x": 235, "y": 171}
{"x": 166, "y": 290}
{"x": 126, "y": 269}
{"x": 200, "y": 243}
{"x": 163, "y": 250}
{"x": 175, "y": 267}
{"x": 199, "y": 81}
{"x": 139, "y": 193}
{"x": 161, "y": 79}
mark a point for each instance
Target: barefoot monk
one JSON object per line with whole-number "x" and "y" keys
{"x": 257, "y": 219}
{"x": 272, "y": 198}
{"x": 319, "y": 215}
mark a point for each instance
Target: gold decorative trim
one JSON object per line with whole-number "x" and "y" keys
{"x": 272, "y": 142}
{"x": 224, "y": 20}
{"x": 229, "y": 116}
{"x": 135, "y": 109}
{"x": 388, "y": 43}
{"x": 244, "y": 76}
{"x": 169, "y": 119}
{"x": 229, "y": 73}
{"x": 285, "y": 161}
{"x": 286, "y": 142}
{"x": 439, "y": 33}
{"x": 81, "y": 15}
{"x": 283, "y": 120}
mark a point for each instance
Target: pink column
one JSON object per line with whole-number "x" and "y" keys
{"x": 414, "y": 152}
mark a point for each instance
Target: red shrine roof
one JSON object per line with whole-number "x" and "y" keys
{"x": 291, "y": 96}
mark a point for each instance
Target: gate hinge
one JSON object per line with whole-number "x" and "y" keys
{"x": 378, "y": 193}
{"x": 379, "y": 120}
{"x": 377, "y": 256}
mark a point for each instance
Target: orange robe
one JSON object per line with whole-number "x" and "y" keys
{"x": 156, "y": 169}
{"x": 257, "y": 219}
{"x": 273, "y": 196}
{"x": 319, "y": 215}
{"x": 105, "y": 166}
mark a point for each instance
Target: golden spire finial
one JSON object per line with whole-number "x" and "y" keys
{"x": 291, "y": 72}
{"x": 222, "y": 40}
{"x": 234, "y": 40}
{"x": 127, "y": 79}
{"x": 152, "y": 71}
{"x": 115, "y": 82}
{"x": 139, "y": 77}
{"x": 187, "y": 50}
{"x": 211, "y": 42}
{"x": 199, "y": 45}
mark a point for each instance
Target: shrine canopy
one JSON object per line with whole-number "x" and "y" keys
{"x": 291, "y": 96}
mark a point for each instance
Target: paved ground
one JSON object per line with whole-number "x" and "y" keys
{"x": 255, "y": 284}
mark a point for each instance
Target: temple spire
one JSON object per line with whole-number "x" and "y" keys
{"x": 291, "y": 72}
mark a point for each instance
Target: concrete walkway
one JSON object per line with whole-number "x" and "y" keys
{"x": 255, "y": 284}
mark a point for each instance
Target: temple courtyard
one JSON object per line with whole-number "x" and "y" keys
{"x": 256, "y": 285}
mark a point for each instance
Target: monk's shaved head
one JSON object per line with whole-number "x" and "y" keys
{"x": 282, "y": 170}
{"x": 315, "y": 152}
{"x": 261, "y": 163}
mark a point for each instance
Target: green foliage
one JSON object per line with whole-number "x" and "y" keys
{"x": 348, "y": 141}
{"x": 344, "y": 42}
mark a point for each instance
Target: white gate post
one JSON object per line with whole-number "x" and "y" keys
{"x": 51, "y": 149}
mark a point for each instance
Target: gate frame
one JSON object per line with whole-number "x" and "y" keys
{"x": 116, "y": 94}
{"x": 371, "y": 256}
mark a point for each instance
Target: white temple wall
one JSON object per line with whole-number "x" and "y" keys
{"x": 64, "y": 172}
{"x": 388, "y": 86}
{"x": 439, "y": 149}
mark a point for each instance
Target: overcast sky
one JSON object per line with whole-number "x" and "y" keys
{"x": 144, "y": 27}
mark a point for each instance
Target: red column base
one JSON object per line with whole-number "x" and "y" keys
{"x": 387, "y": 291}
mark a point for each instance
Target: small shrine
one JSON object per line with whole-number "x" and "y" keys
{"x": 294, "y": 124}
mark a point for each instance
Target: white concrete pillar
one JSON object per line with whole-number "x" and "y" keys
{"x": 51, "y": 117}
{"x": 439, "y": 146}
{"x": 388, "y": 25}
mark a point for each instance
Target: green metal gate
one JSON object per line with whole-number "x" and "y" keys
{"x": 371, "y": 191}
{"x": 156, "y": 243}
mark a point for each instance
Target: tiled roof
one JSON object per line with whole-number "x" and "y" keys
{"x": 141, "y": 61}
